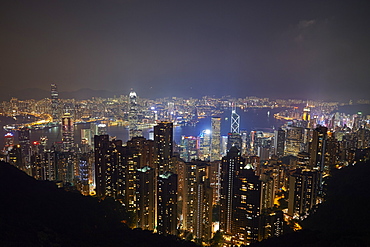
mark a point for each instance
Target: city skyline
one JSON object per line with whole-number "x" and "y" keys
{"x": 315, "y": 50}
{"x": 213, "y": 189}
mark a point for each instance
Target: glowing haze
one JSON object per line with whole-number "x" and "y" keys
{"x": 308, "y": 49}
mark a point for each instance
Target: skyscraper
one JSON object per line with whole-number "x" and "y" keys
{"x": 240, "y": 199}
{"x": 189, "y": 148}
{"x": 145, "y": 199}
{"x": 318, "y": 152}
{"x": 137, "y": 154}
{"x": 109, "y": 170}
{"x": 197, "y": 200}
{"x": 230, "y": 164}
{"x": 235, "y": 121}
{"x": 167, "y": 204}
{"x": 54, "y": 102}
{"x": 234, "y": 137}
{"x": 133, "y": 119}
{"x": 216, "y": 139}
{"x": 205, "y": 145}
{"x": 67, "y": 132}
{"x": 25, "y": 145}
{"x": 294, "y": 138}
{"x": 163, "y": 146}
{"x": 279, "y": 142}
{"x": 303, "y": 189}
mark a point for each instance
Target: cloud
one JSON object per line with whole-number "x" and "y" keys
{"x": 303, "y": 28}
{"x": 306, "y": 23}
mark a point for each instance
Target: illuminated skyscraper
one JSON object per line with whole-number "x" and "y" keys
{"x": 197, "y": 200}
{"x": 235, "y": 121}
{"x": 306, "y": 114}
{"x": 216, "y": 137}
{"x": 163, "y": 146}
{"x": 145, "y": 199}
{"x": 9, "y": 141}
{"x": 294, "y": 138}
{"x": 205, "y": 145}
{"x": 234, "y": 140}
{"x": 133, "y": 119}
{"x": 318, "y": 152}
{"x": 109, "y": 169}
{"x": 54, "y": 102}
{"x": 303, "y": 189}
{"x": 138, "y": 153}
{"x": 67, "y": 132}
{"x": 189, "y": 148}
{"x": 240, "y": 199}
{"x": 279, "y": 142}
{"x": 25, "y": 145}
{"x": 167, "y": 204}
{"x": 234, "y": 137}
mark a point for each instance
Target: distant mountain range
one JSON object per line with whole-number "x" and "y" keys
{"x": 36, "y": 93}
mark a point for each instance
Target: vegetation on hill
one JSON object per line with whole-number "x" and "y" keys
{"x": 343, "y": 219}
{"x": 37, "y": 213}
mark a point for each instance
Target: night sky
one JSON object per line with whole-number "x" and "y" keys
{"x": 291, "y": 49}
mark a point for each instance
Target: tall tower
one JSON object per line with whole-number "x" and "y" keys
{"x": 167, "y": 204}
{"x": 133, "y": 119}
{"x": 293, "y": 140}
{"x": 205, "y": 144}
{"x": 163, "y": 148}
{"x": 240, "y": 199}
{"x": 279, "y": 142}
{"x": 54, "y": 102}
{"x": 138, "y": 153}
{"x": 233, "y": 137}
{"x": 197, "y": 198}
{"x": 235, "y": 121}
{"x": 67, "y": 132}
{"x": 25, "y": 145}
{"x": 216, "y": 136}
{"x": 146, "y": 198}
{"x": 108, "y": 167}
{"x": 318, "y": 151}
{"x": 303, "y": 190}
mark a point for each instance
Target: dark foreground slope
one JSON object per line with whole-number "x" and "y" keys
{"x": 36, "y": 213}
{"x": 343, "y": 219}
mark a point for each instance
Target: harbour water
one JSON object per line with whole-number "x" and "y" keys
{"x": 250, "y": 119}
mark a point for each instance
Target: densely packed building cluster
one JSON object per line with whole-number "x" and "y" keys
{"x": 246, "y": 186}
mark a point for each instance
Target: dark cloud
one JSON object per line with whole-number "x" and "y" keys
{"x": 307, "y": 49}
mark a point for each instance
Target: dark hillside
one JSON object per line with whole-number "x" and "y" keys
{"x": 343, "y": 219}
{"x": 37, "y": 213}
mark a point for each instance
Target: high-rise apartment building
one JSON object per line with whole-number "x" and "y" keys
{"x": 146, "y": 198}
{"x": 240, "y": 199}
{"x": 167, "y": 204}
{"x": 163, "y": 146}
{"x": 279, "y": 142}
{"x": 303, "y": 191}
{"x": 197, "y": 200}
{"x": 109, "y": 170}
{"x": 137, "y": 154}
